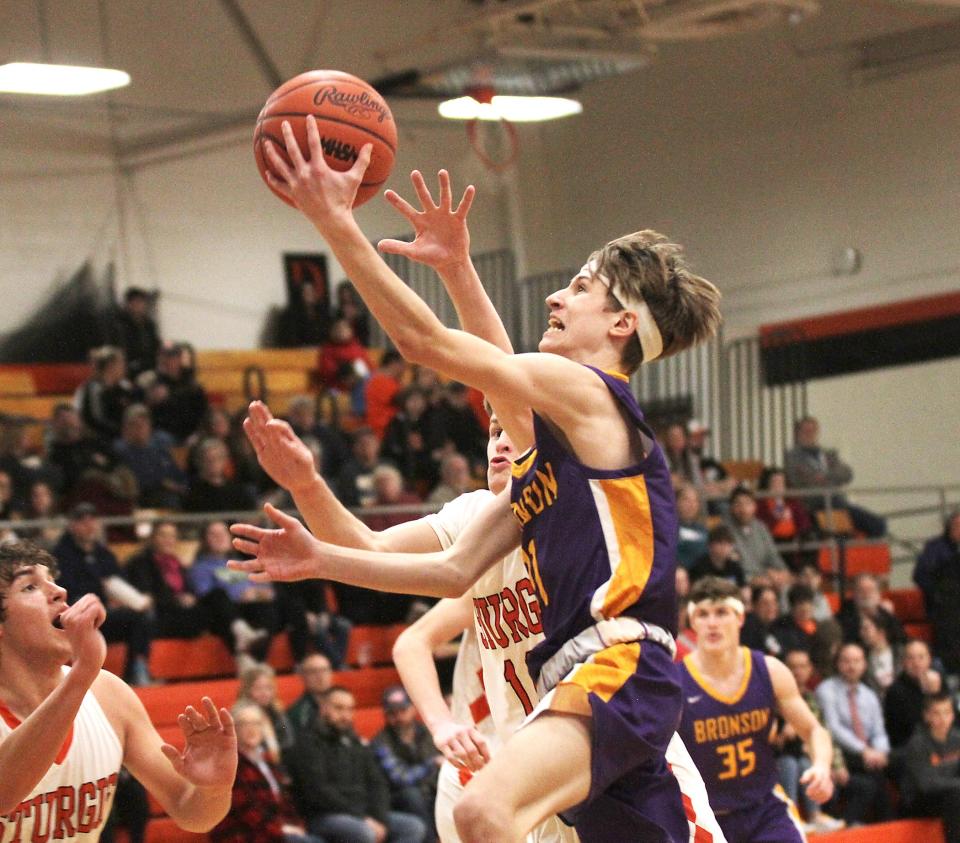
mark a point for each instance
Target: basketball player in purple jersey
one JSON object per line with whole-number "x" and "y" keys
{"x": 65, "y": 732}
{"x": 594, "y": 748}
{"x": 731, "y": 698}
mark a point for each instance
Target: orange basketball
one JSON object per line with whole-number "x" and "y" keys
{"x": 349, "y": 115}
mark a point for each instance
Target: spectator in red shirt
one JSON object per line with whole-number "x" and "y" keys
{"x": 382, "y": 389}
{"x": 342, "y": 348}
{"x": 260, "y": 811}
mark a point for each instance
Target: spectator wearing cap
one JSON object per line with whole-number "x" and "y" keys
{"x": 135, "y": 331}
{"x": 758, "y": 554}
{"x": 87, "y": 566}
{"x": 720, "y": 560}
{"x": 717, "y": 483}
{"x": 409, "y": 759}
{"x": 339, "y": 786}
{"x": 692, "y": 535}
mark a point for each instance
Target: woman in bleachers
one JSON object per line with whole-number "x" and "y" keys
{"x": 103, "y": 398}
{"x": 884, "y": 657}
{"x": 258, "y": 685}
{"x": 180, "y": 612}
{"x": 787, "y": 519}
{"x": 42, "y": 503}
{"x": 260, "y": 810}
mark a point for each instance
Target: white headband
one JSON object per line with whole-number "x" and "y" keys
{"x": 734, "y": 603}
{"x": 647, "y": 331}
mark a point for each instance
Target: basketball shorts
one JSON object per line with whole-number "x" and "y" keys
{"x": 773, "y": 820}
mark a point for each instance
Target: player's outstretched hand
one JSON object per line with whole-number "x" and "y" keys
{"x": 281, "y": 555}
{"x": 818, "y": 782}
{"x": 441, "y": 237}
{"x": 279, "y": 450}
{"x": 209, "y": 758}
{"x": 81, "y": 622}
{"x": 462, "y": 746}
{"x": 322, "y": 193}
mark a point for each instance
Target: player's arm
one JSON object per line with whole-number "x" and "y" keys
{"x": 289, "y": 463}
{"x": 797, "y": 713}
{"x": 442, "y": 242}
{"x": 194, "y": 786}
{"x": 413, "y": 656}
{"x": 558, "y": 388}
{"x": 290, "y": 553}
{"x": 31, "y": 749}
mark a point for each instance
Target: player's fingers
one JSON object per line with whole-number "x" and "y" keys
{"x": 446, "y": 196}
{"x": 259, "y": 412}
{"x": 423, "y": 192}
{"x": 226, "y": 722}
{"x": 290, "y": 142}
{"x": 281, "y": 519}
{"x": 251, "y": 549}
{"x": 195, "y": 718}
{"x": 466, "y": 202}
{"x": 395, "y": 247}
{"x": 401, "y": 204}
{"x": 481, "y": 743}
{"x": 363, "y": 159}
{"x": 313, "y": 142}
{"x": 249, "y": 531}
{"x": 279, "y": 168}
{"x": 280, "y": 186}
{"x": 280, "y": 429}
{"x": 212, "y": 713}
{"x": 471, "y": 755}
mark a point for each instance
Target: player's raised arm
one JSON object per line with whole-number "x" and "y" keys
{"x": 460, "y": 743}
{"x": 31, "y": 749}
{"x": 289, "y": 463}
{"x": 193, "y": 786}
{"x": 442, "y": 242}
{"x": 290, "y": 553}
{"x": 797, "y": 713}
{"x": 325, "y": 196}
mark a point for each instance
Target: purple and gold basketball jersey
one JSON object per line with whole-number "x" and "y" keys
{"x": 729, "y": 737}
{"x": 597, "y": 544}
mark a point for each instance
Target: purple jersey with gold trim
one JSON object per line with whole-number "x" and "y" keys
{"x": 597, "y": 544}
{"x": 728, "y": 737}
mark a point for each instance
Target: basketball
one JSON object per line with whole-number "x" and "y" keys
{"x": 349, "y": 115}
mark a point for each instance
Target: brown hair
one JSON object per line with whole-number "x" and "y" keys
{"x": 15, "y": 556}
{"x": 645, "y": 265}
{"x": 713, "y": 588}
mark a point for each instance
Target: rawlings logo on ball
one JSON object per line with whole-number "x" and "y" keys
{"x": 361, "y": 105}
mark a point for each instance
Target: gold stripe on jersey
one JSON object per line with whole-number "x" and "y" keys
{"x": 623, "y": 507}
{"x": 522, "y": 465}
{"x": 604, "y": 674}
{"x": 728, "y": 699}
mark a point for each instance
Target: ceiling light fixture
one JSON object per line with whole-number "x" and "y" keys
{"x": 59, "y": 80}
{"x": 484, "y": 105}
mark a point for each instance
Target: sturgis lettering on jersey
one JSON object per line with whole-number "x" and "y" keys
{"x": 60, "y": 814}
{"x": 509, "y": 616}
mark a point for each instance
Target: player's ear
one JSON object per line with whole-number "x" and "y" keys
{"x": 625, "y": 325}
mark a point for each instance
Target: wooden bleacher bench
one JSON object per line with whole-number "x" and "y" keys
{"x": 38, "y": 407}
{"x": 861, "y": 559}
{"x": 265, "y": 358}
{"x": 745, "y": 471}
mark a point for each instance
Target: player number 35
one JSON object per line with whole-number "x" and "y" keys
{"x": 738, "y": 758}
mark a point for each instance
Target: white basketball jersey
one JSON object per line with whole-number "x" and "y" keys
{"x": 506, "y": 620}
{"x": 72, "y": 801}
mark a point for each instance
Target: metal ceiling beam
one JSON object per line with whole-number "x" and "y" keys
{"x": 255, "y": 45}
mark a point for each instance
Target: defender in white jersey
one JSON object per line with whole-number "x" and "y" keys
{"x": 65, "y": 732}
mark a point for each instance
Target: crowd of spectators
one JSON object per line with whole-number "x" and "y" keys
{"x": 885, "y": 698}
{"x": 141, "y": 432}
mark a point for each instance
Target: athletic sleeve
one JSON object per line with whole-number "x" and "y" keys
{"x": 453, "y": 518}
